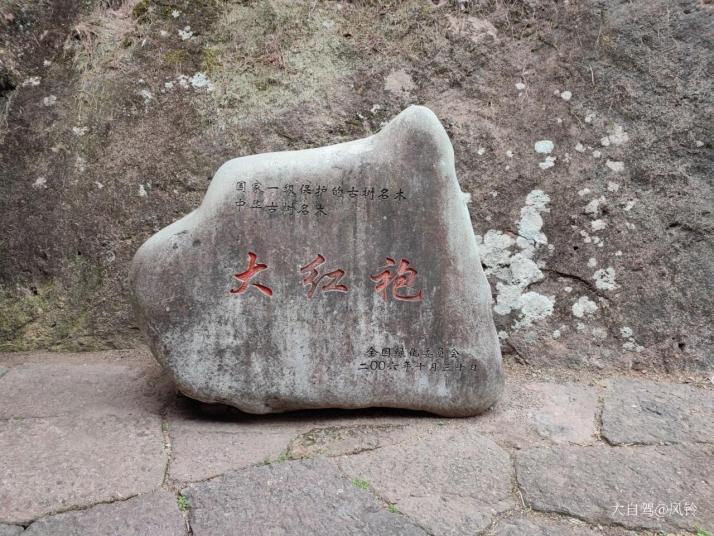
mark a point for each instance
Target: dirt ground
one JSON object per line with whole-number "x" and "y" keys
{"x": 116, "y": 114}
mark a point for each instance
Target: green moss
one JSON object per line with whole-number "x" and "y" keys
{"x": 282, "y": 457}
{"x": 52, "y": 315}
{"x": 210, "y": 60}
{"x": 15, "y": 313}
{"x": 361, "y": 484}
{"x": 182, "y": 502}
{"x": 140, "y": 9}
{"x": 176, "y": 57}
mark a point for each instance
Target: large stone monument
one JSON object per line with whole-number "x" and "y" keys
{"x": 338, "y": 277}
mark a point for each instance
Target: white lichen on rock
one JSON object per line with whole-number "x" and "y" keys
{"x": 632, "y": 346}
{"x": 593, "y": 207}
{"x": 616, "y": 136}
{"x": 534, "y": 306}
{"x": 200, "y": 80}
{"x": 186, "y": 33}
{"x": 614, "y": 165}
{"x": 517, "y": 270}
{"x": 605, "y": 278}
{"x": 549, "y": 162}
{"x": 544, "y": 146}
{"x": 31, "y": 82}
{"x": 584, "y": 306}
{"x": 598, "y": 225}
{"x": 599, "y": 333}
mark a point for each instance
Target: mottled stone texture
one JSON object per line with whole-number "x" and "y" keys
{"x": 532, "y": 525}
{"x": 234, "y": 307}
{"x": 55, "y": 464}
{"x": 153, "y": 514}
{"x": 451, "y": 480}
{"x": 301, "y": 497}
{"x": 657, "y": 488}
{"x": 649, "y": 412}
{"x": 10, "y": 530}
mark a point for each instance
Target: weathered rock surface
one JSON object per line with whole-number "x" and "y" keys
{"x": 659, "y": 488}
{"x": 541, "y": 412}
{"x": 451, "y": 481}
{"x": 350, "y": 439}
{"x": 296, "y": 497}
{"x": 636, "y": 242}
{"x": 88, "y": 389}
{"x": 649, "y": 412}
{"x": 534, "y": 525}
{"x": 344, "y": 276}
{"x": 204, "y": 446}
{"x": 54, "y": 464}
{"x": 154, "y": 514}
{"x": 10, "y": 530}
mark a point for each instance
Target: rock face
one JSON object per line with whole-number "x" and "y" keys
{"x": 344, "y": 276}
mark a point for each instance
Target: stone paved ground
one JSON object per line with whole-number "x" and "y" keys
{"x": 99, "y": 444}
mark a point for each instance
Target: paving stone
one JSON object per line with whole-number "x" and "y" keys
{"x": 135, "y": 356}
{"x": 599, "y": 483}
{"x": 535, "y": 525}
{"x": 535, "y": 413}
{"x": 294, "y": 497}
{"x": 203, "y": 450}
{"x": 249, "y": 306}
{"x": 648, "y": 412}
{"x": 49, "y": 465}
{"x": 342, "y": 440}
{"x": 450, "y": 480}
{"x": 45, "y": 390}
{"x": 153, "y": 514}
{"x": 208, "y": 441}
{"x": 10, "y": 530}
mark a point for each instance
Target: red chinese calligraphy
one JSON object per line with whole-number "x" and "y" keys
{"x": 403, "y": 278}
{"x": 245, "y": 277}
{"x": 313, "y": 277}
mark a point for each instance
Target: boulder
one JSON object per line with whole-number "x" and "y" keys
{"x": 345, "y": 276}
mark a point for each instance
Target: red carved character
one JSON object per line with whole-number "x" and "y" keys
{"x": 313, "y": 277}
{"x": 245, "y": 277}
{"x": 404, "y": 277}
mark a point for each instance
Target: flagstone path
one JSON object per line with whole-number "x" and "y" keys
{"x": 100, "y": 444}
